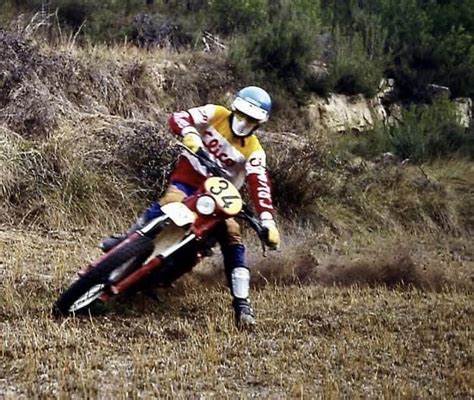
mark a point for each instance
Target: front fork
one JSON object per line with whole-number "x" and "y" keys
{"x": 197, "y": 232}
{"x": 147, "y": 268}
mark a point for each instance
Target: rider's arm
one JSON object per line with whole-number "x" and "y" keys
{"x": 190, "y": 124}
{"x": 195, "y": 120}
{"x": 260, "y": 192}
{"x": 259, "y": 184}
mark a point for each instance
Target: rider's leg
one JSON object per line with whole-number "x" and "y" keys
{"x": 175, "y": 192}
{"x": 237, "y": 273}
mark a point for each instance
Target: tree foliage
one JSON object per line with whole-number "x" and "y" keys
{"x": 424, "y": 41}
{"x": 282, "y": 47}
{"x": 232, "y": 16}
{"x": 417, "y": 42}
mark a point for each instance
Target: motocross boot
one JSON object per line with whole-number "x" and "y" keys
{"x": 238, "y": 279}
{"x": 110, "y": 242}
{"x": 244, "y": 316}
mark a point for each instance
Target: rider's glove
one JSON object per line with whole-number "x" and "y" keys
{"x": 193, "y": 141}
{"x": 273, "y": 239}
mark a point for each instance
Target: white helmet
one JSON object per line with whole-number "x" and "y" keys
{"x": 251, "y": 107}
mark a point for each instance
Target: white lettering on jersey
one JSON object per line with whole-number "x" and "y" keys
{"x": 217, "y": 149}
{"x": 256, "y": 165}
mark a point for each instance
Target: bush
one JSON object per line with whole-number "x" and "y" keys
{"x": 157, "y": 31}
{"x": 425, "y": 133}
{"x": 237, "y": 16}
{"x": 146, "y": 154}
{"x": 431, "y": 43}
{"x": 455, "y": 52}
{"x": 358, "y": 64}
{"x": 73, "y": 14}
{"x": 280, "y": 50}
{"x": 297, "y": 185}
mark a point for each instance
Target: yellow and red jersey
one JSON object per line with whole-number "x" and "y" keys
{"x": 243, "y": 158}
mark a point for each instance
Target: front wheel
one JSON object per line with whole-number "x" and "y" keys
{"x": 89, "y": 287}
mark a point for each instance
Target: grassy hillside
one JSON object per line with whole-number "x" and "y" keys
{"x": 84, "y": 132}
{"x": 370, "y": 296}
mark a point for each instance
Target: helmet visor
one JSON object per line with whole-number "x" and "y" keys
{"x": 251, "y": 110}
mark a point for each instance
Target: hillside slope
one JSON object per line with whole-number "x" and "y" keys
{"x": 370, "y": 295}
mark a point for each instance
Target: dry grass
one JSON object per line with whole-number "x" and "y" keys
{"x": 84, "y": 127}
{"x": 62, "y": 183}
{"x": 362, "y": 339}
{"x": 374, "y": 300}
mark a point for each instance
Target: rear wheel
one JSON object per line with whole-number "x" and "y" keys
{"x": 89, "y": 287}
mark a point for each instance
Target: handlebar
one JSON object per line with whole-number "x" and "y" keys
{"x": 205, "y": 160}
{"x": 245, "y": 214}
{"x": 262, "y": 232}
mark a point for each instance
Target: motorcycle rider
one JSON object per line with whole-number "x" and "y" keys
{"x": 228, "y": 137}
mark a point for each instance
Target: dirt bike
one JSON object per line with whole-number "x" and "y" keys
{"x": 165, "y": 248}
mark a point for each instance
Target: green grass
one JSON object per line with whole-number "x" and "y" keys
{"x": 424, "y": 133}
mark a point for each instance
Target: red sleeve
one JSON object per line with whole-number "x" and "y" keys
{"x": 260, "y": 192}
{"x": 181, "y": 123}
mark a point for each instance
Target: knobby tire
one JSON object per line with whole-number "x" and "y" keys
{"x": 140, "y": 248}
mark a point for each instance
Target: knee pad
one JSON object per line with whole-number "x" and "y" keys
{"x": 240, "y": 282}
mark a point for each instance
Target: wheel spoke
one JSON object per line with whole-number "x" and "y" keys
{"x": 87, "y": 298}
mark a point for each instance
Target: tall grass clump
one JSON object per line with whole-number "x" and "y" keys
{"x": 55, "y": 184}
{"x": 459, "y": 175}
{"x": 424, "y": 133}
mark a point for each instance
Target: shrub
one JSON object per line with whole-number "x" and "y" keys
{"x": 74, "y": 13}
{"x": 234, "y": 16}
{"x": 431, "y": 42}
{"x": 280, "y": 50}
{"x": 147, "y": 154}
{"x": 155, "y": 30}
{"x": 455, "y": 52}
{"x": 426, "y": 132}
{"x": 358, "y": 64}
{"x": 297, "y": 185}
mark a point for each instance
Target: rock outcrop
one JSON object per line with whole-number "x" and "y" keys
{"x": 464, "y": 107}
{"x": 340, "y": 113}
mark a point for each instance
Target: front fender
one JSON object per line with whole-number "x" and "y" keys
{"x": 179, "y": 213}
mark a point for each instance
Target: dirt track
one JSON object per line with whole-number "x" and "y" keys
{"x": 312, "y": 340}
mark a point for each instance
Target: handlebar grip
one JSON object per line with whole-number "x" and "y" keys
{"x": 210, "y": 165}
{"x": 201, "y": 153}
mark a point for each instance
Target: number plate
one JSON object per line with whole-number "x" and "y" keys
{"x": 225, "y": 193}
{"x": 179, "y": 213}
